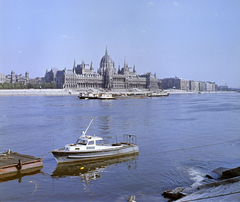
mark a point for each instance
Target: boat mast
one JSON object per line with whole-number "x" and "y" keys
{"x": 84, "y": 132}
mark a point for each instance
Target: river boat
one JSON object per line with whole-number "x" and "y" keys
{"x": 87, "y": 96}
{"x": 130, "y": 96}
{"x": 100, "y": 96}
{"x": 92, "y": 148}
{"x": 158, "y": 94}
{"x": 104, "y": 96}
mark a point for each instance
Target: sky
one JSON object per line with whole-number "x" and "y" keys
{"x": 191, "y": 39}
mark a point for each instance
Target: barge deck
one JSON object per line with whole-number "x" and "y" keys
{"x": 13, "y": 163}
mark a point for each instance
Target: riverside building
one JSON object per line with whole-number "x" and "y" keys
{"x": 82, "y": 76}
{"x": 187, "y": 85}
{"x": 19, "y": 78}
{"x": 15, "y": 78}
{"x": 2, "y": 78}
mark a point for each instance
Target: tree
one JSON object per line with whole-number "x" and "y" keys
{"x": 16, "y": 86}
{"x": 53, "y": 84}
{"x": 49, "y": 85}
{"x": 36, "y": 86}
{"x": 29, "y": 85}
{"x": 7, "y": 85}
{"x": 44, "y": 85}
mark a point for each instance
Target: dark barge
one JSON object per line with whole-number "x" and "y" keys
{"x": 12, "y": 164}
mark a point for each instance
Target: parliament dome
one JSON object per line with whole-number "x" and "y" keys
{"x": 106, "y": 58}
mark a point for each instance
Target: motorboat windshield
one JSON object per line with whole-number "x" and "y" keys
{"x": 82, "y": 141}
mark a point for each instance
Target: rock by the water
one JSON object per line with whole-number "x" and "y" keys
{"x": 131, "y": 198}
{"x": 174, "y": 193}
{"x": 217, "y": 173}
{"x": 220, "y": 170}
{"x": 231, "y": 173}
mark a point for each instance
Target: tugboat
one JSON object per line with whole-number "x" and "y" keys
{"x": 92, "y": 148}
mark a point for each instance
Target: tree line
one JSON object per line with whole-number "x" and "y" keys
{"x": 44, "y": 85}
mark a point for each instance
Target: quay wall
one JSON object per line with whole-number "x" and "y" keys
{"x": 68, "y": 92}
{"x": 45, "y": 92}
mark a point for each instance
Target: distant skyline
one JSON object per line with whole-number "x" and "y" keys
{"x": 197, "y": 40}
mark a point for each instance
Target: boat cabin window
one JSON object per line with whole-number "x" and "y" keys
{"x": 91, "y": 142}
{"x": 99, "y": 142}
{"x": 79, "y": 141}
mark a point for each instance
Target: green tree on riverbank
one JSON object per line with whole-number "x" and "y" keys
{"x": 7, "y": 85}
{"x": 44, "y": 85}
{"x": 51, "y": 85}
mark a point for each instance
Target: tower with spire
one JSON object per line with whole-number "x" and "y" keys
{"x": 74, "y": 67}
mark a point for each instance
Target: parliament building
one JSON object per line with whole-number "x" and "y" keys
{"x": 82, "y": 76}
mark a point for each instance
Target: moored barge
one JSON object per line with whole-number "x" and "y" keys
{"x": 13, "y": 163}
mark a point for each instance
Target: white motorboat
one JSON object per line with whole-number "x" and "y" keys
{"x": 91, "y": 148}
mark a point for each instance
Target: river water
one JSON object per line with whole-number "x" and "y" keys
{"x": 181, "y": 138}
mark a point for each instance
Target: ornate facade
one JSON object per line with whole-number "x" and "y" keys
{"x": 14, "y": 78}
{"x": 106, "y": 77}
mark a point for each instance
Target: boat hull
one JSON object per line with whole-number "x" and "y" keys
{"x": 11, "y": 171}
{"x": 87, "y": 97}
{"x": 63, "y": 156}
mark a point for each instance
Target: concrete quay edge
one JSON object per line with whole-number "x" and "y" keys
{"x": 69, "y": 92}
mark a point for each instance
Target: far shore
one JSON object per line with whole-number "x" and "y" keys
{"x": 74, "y": 92}
{"x": 35, "y": 92}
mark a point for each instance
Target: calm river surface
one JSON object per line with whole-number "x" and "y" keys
{"x": 181, "y": 138}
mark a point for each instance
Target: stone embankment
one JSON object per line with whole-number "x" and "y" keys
{"x": 67, "y": 92}
{"x": 225, "y": 189}
{"x": 45, "y": 92}
{"x": 177, "y": 91}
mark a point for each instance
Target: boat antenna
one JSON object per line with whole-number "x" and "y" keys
{"x": 84, "y": 132}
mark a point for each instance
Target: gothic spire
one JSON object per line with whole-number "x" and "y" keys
{"x": 91, "y": 67}
{"x": 125, "y": 63}
{"x": 74, "y": 64}
{"x": 119, "y": 70}
{"x": 106, "y": 50}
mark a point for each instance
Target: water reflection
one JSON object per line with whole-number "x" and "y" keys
{"x": 104, "y": 122}
{"x": 19, "y": 175}
{"x": 92, "y": 170}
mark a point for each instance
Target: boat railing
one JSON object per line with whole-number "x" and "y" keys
{"x": 130, "y": 139}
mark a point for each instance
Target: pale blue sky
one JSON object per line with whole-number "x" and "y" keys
{"x": 191, "y": 39}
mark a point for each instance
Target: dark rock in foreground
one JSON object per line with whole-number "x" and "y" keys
{"x": 231, "y": 173}
{"x": 174, "y": 193}
{"x": 222, "y": 189}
